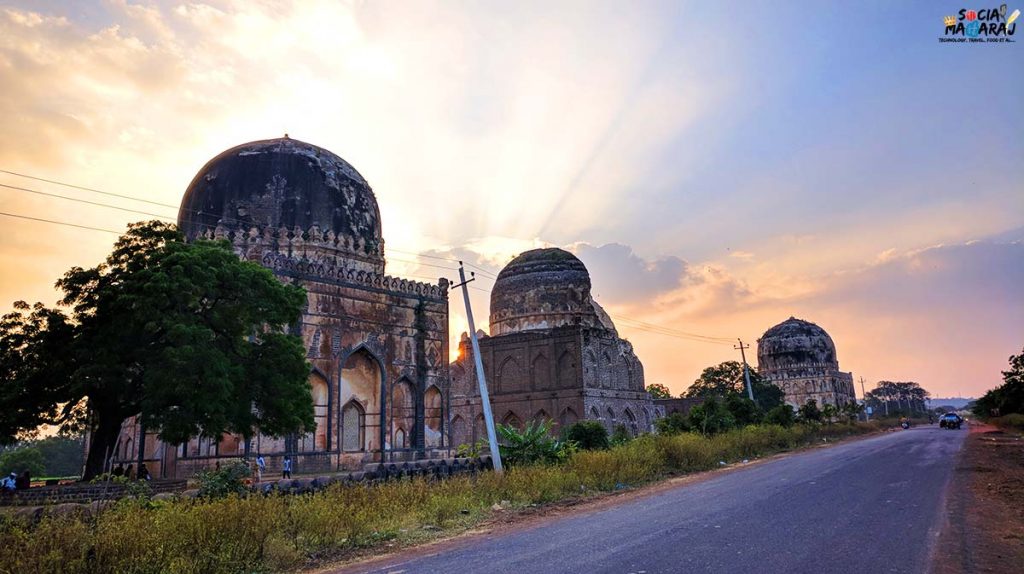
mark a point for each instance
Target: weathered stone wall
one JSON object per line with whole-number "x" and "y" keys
{"x": 526, "y": 385}
{"x": 393, "y": 330}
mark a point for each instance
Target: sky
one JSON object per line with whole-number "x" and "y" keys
{"x": 719, "y": 167}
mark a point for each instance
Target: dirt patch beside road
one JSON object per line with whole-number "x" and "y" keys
{"x": 984, "y": 531}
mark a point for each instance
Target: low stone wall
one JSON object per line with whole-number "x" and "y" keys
{"x": 83, "y": 492}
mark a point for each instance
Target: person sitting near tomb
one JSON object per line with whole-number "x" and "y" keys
{"x": 144, "y": 473}
{"x": 24, "y": 482}
{"x": 9, "y": 484}
{"x": 118, "y": 470}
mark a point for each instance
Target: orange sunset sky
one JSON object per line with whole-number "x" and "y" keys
{"x": 718, "y": 169}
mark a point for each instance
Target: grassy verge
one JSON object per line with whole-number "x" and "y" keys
{"x": 284, "y": 533}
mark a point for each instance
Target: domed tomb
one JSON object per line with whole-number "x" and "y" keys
{"x": 793, "y": 343}
{"x": 289, "y": 189}
{"x": 543, "y": 289}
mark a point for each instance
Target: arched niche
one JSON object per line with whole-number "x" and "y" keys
{"x": 432, "y": 417}
{"x": 362, "y": 381}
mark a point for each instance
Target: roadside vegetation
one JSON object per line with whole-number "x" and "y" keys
{"x": 1003, "y": 406}
{"x": 236, "y": 534}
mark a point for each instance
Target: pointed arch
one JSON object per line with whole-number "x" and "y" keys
{"x": 353, "y": 427}
{"x": 567, "y": 418}
{"x": 509, "y": 376}
{"x": 433, "y": 412}
{"x": 460, "y": 434}
{"x": 610, "y": 419}
{"x": 541, "y": 369}
{"x": 316, "y": 438}
{"x": 403, "y": 411}
{"x": 479, "y": 428}
{"x": 541, "y": 416}
{"x": 630, "y": 421}
{"x": 567, "y": 370}
{"x": 594, "y": 415}
{"x": 363, "y": 381}
{"x": 512, "y": 419}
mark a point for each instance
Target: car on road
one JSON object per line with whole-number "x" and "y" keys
{"x": 950, "y": 421}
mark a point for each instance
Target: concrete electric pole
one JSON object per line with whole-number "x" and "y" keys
{"x": 864, "y": 393}
{"x": 746, "y": 369}
{"x": 485, "y": 400}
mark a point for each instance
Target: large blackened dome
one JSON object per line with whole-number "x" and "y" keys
{"x": 543, "y": 289}
{"x": 795, "y": 342}
{"x": 282, "y": 183}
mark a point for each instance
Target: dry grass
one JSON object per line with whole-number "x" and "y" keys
{"x": 282, "y": 533}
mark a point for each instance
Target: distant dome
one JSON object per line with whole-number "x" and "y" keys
{"x": 543, "y": 289}
{"x": 282, "y": 183}
{"x": 795, "y": 342}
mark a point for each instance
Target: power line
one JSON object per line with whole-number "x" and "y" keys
{"x": 86, "y": 201}
{"x": 60, "y": 223}
{"x": 55, "y": 182}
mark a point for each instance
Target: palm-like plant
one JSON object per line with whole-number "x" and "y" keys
{"x": 531, "y": 445}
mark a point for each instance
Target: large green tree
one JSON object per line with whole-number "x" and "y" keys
{"x": 187, "y": 335}
{"x": 1008, "y": 397}
{"x": 725, "y": 379}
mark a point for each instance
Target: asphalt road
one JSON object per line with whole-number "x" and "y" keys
{"x": 865, "y": 506}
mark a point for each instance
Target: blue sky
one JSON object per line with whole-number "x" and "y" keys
{"x": 719, "y": 167}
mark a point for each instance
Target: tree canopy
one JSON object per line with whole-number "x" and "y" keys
{"x": 726, "y": 379}
{"x": 187, "y": 334}
{"x": 1006, "y": 398}
{"x": 659, "y": 391}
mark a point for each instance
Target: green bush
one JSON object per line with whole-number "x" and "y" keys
{"x": 711, "y": 417}
{"x": 781, "y": 415}
{"x": 809, "y": 412}
{"x": 1011, "y": 421}
{"x": 220, "y": 482}
{"x": 674, "y": 423}
{"x": 620, "y": 435}
{"x": 534, "y": 444}
{"x": 588, "y": 435}
{"x": 743, "y": 410}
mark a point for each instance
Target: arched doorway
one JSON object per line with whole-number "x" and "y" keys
{"x": 403, "y": 413}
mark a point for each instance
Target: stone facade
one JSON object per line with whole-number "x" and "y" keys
{"x": 553, "y": 354}
{"x": 378, "y": 344}
{"x": 800, "y": 358}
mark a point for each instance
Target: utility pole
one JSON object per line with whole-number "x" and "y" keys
{"x": 864, "y": 393}
{"x": 746, "y": 369}
{"x": 485, "y": 400}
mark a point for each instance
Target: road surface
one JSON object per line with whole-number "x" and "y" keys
{"x": 864, "y": 506}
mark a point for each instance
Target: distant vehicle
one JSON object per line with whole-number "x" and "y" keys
{"x": 950, "y": 421}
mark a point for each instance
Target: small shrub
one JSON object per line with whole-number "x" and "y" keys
{"x": 781, "y": 415}
{"x": 674, "y": 423}
{"x": 620, "y": 435}
{"x": 711, "y": 417}
{"x": 1010, "y": 421}
{"x": 532, "y": 445}
{"x": 228, "y": 479}
{"x": 588, "y": 435}
{"x": 810, "y": 412}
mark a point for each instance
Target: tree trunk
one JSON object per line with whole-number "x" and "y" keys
{"x": 101, "y": 445}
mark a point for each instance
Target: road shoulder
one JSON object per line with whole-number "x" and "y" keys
{"x": 983, "y": 527}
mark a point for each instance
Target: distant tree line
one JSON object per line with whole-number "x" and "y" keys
{"x": 897, "y": 397}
